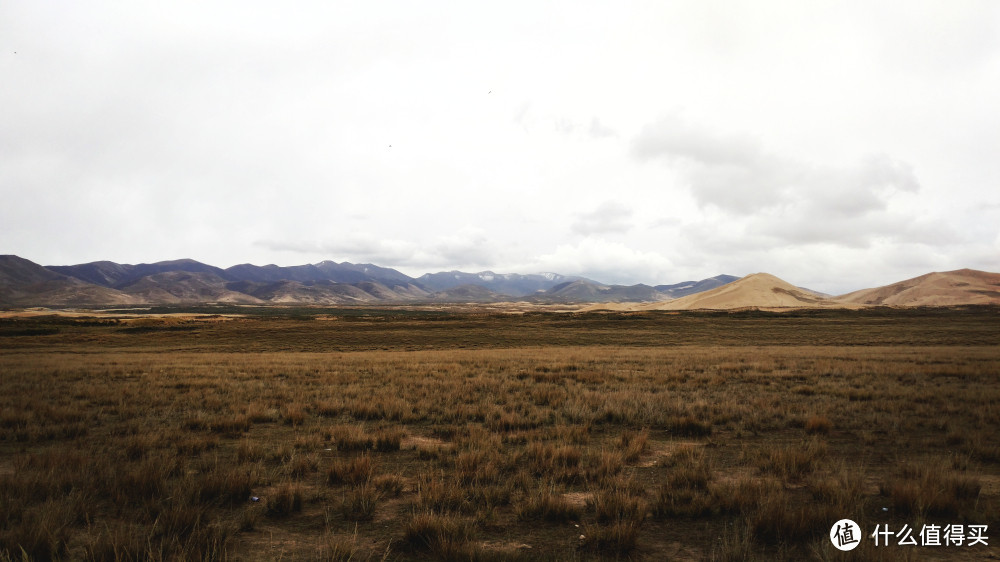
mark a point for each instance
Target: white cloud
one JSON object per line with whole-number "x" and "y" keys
{"x": 608, "y": 217}
{"x": 804, "y": 138}
{"x": 793, "y": 201}
{"x": 605, "y": 261}
{"x": 469, "y": 247}
{"x": 600, "y": 130}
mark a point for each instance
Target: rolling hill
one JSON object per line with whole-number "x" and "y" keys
{"x": 962, "y": 286}
{"x": 760, "y": 290}
{"x": 25, "y": 283}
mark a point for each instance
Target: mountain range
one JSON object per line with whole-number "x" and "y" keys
{"x": 25, "y": 283}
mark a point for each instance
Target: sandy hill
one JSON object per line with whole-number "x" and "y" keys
{"x": 761, "y": 290}
{"x": 963, "y": 286}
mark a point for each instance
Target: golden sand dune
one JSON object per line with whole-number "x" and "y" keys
{"x": 963, "y": 286}
{"x": 759, "y": 290}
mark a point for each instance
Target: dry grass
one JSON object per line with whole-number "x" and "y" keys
{"x": 931, "y": 490}
{"x": 350, "y": 470}
{"x": 360, "y": 503}
{"x": 378, "y": 435}
{"x": 547, "y": 505}
{"x": 445, "y": 537}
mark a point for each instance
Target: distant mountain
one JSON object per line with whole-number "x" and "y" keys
{"x": 962, "y": 286}
{"x": 686, "y": 288}
{"x": 345, "y": 272}
{"x": 544, "y": 287}
{"x": 184, "y": 287}
{"x": 469, "y": 293}
{"x": 513, "y": 284}
{"x": 113, "y": 275}
{"x": 583, "y": 290}
{"x": 327, "y": 292}
{"x": 25, "y": 283}
{"x": 15, "y": 271}
{"x": 272, "y": 273}
{"x": 186, "y": 281}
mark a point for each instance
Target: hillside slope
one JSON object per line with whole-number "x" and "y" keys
{"x": 962, "y": 286}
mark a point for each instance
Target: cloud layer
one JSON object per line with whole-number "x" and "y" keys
{"x": 637, "y": 143}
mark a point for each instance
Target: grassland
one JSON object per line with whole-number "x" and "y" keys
{"x": 411, "y": 435}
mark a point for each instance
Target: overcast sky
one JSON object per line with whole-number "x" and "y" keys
{"x": 837, "y": 145}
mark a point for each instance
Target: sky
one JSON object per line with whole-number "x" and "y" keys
{"x": 838, "y": 145}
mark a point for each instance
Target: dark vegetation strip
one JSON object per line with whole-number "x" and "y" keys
{"x": 381, "y": 329}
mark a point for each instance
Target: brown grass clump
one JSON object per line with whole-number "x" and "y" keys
{"x": 225, "y": 485}
{"x": 40, "y": 534}
{"x": 795, "y": 461}
{"x": 436, "y": 494}
{"x": 743, "y": 495}
{"x": 842, "y": 487}
{"x": 557, "y": 462}
{"x": 286, "y": 499}
{"x": 617, "y": 505}
{"x": 685, "y": 488}
{"x": 982, "y": 447}
{"x": 683, "y": 502}
{"x": 359, "y": 504}
{"x": 689, "y": 426}
{"x": 351, "y": 438}
{"x": 250, "y": 451}
{"x": 620, "y": 538}
{"x": 301, "y": 465}
{"x": 478, "y": 468}
{"x": 603, "y": 467}
{"x": 338, "y": 548}
{"x": 445, "y": 537}
{"x": 389, "y": 439}
{"x": 391, "y": 485}
{"x": 689, "y": 467}
{"x": 547, "y": 505}
{"x": 352, "y": 470}
{"x": 293, "y": 414}
{"x": 734, "y": 545}
{"x": 933, "y": 490}
{"x": 633, "y": 444}
{"x": 774, "y": 522}
{"x": 818, "y": 424}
